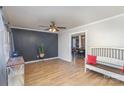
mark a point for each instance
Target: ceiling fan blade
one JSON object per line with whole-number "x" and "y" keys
{"x": 43, "y": 26}
{"x": 47, "y": 29}
{"x": 61, "y": 27}
{"x": 57, "y": 29}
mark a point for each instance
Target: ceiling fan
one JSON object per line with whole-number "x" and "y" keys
{"x": 53, "y": 27}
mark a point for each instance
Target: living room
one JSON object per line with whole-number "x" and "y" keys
{"x": 43, "y": 41}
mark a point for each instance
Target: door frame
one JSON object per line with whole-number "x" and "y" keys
{"x": 86, "y": 48}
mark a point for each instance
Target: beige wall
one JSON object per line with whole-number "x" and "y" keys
{"x": 105, "y": 33}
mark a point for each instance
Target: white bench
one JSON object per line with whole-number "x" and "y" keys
{"x": 109, "y": 63}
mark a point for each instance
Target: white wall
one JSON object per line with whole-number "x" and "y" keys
{"x": 104, "y": 33}
{"x": 4, "y": 51}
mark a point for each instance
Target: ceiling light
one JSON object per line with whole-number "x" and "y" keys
{"x": 53, "y": 30}
{"x": 50, "y": 30}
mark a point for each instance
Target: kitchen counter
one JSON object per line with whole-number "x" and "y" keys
{"x": 15, "y": 71}
{"x": 15, "y": 61}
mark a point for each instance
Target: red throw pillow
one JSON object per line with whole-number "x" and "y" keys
{"x": 123, "y": 69}
{"x": 91, "y": 59}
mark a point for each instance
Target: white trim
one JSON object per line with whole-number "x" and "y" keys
{"x": 70, "y": 35}
{"x": 32, "y": 29}
{"x": 95, "y": 22}
{"x": 64, "y": 59}
{"x": 34, "y": 61}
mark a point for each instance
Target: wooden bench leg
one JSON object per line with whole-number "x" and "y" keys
{"x": 85, "y": 69}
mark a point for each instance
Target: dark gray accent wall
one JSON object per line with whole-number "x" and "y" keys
{"x": 27, "y": 42}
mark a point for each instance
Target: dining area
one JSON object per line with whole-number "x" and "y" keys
{"x": 78, "y": 47}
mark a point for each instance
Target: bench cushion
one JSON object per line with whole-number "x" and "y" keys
{"x": 111, "y": 69}
{"x": 110, "y": 62}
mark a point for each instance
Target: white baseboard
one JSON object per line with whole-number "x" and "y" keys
{"x": 64, "y": 59}
{"x": 34, "y": 61}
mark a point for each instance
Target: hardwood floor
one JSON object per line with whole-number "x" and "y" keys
{"x": 58, "y": 72}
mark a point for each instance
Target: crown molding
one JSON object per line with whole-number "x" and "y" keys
{"x": 15, "y": 27}
{"x": 95, "y": 22}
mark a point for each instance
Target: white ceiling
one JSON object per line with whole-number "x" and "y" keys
{"x": 68, "y": 16}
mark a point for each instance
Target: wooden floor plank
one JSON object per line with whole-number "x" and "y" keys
{"x": 60, "y": 73}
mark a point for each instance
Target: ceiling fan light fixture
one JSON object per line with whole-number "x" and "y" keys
{"x": 53, "y": 30}
{"x": 50, "y": 30}
{"x": 53, "y": 27}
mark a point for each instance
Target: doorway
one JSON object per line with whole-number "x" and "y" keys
{"x": 78, "y": 48}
